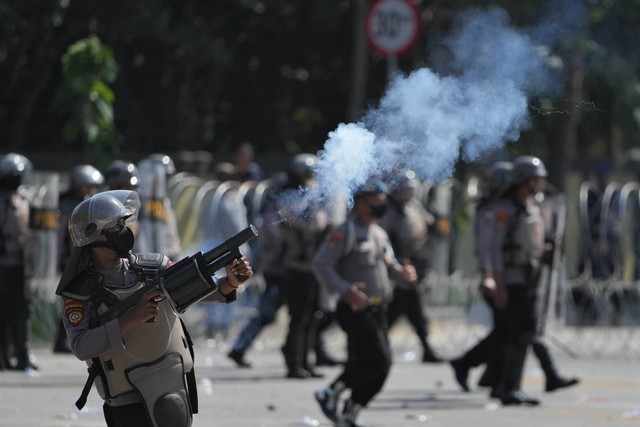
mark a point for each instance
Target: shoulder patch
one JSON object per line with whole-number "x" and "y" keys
{"x": 502, "y": 217}
{"x": 336, "y": 237}
{"x": 74, "y": 310}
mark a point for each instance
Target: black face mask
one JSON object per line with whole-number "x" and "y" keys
{"x": 120, "y": 242}
{"x": 378, "y": 211}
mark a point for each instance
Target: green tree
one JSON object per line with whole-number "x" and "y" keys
{"x": 84, "y": 95}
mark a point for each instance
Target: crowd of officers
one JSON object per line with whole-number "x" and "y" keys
{"x": 361, "y": 269}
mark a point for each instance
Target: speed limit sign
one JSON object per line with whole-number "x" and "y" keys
{"x": 392, "y": 26}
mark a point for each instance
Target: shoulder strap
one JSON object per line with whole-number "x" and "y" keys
{"x": 351, "y": 237}
{"x": 191, "y": 375}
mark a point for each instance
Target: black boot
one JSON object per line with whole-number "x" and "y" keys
{"x": 238, "y": 357}
{"x": 509, "y": 391}
{"x": 461, "y": 372}
{"x": 559, "y": 382}
{"x": 429, "y": 356}
{"x": 554, "y": 380}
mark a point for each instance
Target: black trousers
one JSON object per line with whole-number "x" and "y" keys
{"x": 369, "y": 353}
{"x": 133, "y": 415}
{"x": 15, "y": 308}
{"x": 408, "y": 301}
{"x": 303, "y": 291}
{"x": 490, "y": 350}
{"x": 521, "y": 320}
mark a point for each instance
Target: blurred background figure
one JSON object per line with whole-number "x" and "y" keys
{"x": 303, "y": 230}
{"x": 84, "y": 182}
{"x": 122, "y": 175}
{"x": 272, "y": 268}
{"x": 490, "y": 350}
{"x": 15, "y": 296}
{"x": 246, "y": 169}
{"x": 158, "y": 229}
{"x": 407, "y": 223}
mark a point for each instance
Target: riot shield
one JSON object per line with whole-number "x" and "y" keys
{"x": 43, "y": 224}
{"x": 157, "y": 231}
{"x": 553, "y": 208}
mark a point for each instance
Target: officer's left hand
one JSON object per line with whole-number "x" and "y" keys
{"x": 239, "y": 271}
{"x": 409, "y": 273}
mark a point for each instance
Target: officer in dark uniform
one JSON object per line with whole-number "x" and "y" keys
{"x": 139, "y": 360}
{"x": 356, "y": 261}
{"x": 491, "y": 349}
{"x": 518, "y": 244}
{"x": 15, "y": 298}
{"x": 407, "y": 222}
{"x": 302, "y": 232}
{"x": 84, "y": 182}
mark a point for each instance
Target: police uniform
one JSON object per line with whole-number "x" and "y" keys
{"x": 518, "y": 244}
{"x": 407, "y": 226}
{"x": 15, "y": 298}
{"x": 144, "y": 374}
{"x": 490, "y": 350}
{"x": 356, "y": 252}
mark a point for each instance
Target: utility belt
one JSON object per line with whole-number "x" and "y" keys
{"x": 376, "y": 300}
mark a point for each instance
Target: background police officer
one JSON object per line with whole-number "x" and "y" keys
{"x": 15, "y": 297}
{"x": 490, "y": 350}
{"x": 356, "y": 261}
{"x": 302, "y": 232}
{"x": 407, "y": 223}
{"x": 518, "y": 242}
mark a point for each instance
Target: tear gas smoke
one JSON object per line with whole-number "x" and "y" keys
{"x": 426, "y": 121}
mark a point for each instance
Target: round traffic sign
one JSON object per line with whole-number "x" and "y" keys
{"x": 392, "y": 26}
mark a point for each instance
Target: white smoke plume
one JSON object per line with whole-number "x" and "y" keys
{"x": 426, "y": 121}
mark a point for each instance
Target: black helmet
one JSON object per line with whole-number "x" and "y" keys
{"x": 85, "y": 175}
{"x": 525, "y": 167}
{"x": 13, "y": 167}
{"x": 500, "y": 175}
{"x": 164, "y": 160}
{"x": 303, "y": 166}
{"x": 122, "y": 175}
{"x": 371, "y": 188}
{"x": 407, "y": 178}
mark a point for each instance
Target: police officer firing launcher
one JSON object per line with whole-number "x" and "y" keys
{"x": 143, "y": 368}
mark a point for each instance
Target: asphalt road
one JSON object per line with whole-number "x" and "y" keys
{"x": 415, "y": 395}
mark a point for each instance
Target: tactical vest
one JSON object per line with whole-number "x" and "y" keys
{"x": 145, "y": 343}
{"x": 157, "y": 358}
{"x": 525, "y": 238}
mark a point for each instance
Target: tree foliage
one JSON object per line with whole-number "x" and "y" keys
{"x": 88, "y": 68}
{"x": 206, "y": 75}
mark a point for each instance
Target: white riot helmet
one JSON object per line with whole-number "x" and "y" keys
{"x": 86, "y": 175}
{"x": 164, "y": 160}
{"x": 13, "y": 168}
{"x": 101, "y": 212}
